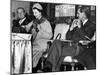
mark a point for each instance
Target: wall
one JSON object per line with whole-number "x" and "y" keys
{"x": 15, "y": 4}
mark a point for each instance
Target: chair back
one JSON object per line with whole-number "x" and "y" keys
{"x": 60, "y": 31}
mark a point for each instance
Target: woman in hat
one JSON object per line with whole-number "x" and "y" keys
{"x": 43, "y": 33}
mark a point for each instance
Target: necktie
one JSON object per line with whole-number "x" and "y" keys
{"x": 81, "y": 24}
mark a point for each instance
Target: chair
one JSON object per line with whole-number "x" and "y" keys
{"x": 59, "y": 33}
{"x": 88, "y": 44}
{"x": 69, "y": 60}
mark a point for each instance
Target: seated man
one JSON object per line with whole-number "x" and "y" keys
{"x": 76, "y": 33}
{"x": 20, "y": 22}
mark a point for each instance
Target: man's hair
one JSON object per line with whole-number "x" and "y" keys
{"x": 20, "y": 8}
{"x": 86, "y": 10}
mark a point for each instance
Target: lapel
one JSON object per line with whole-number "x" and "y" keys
{"x": 85, "y": 26}
{"x": 23, "y": 22}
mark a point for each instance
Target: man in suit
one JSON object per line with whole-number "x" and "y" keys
{"x": 21, "y": 21}
{"x": 81, "y": 29}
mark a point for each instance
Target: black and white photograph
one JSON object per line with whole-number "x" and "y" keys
{"x": 51, "y": 37}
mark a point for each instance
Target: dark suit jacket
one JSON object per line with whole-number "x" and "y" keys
{"x": 80, "y": 34}
{"x": 17, "y": 28}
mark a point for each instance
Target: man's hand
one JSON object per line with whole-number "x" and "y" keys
{"x": 84, "y": 42}
{"x": 23, "y": 26}
{"x": 28, "y": 26}
{"x": 76, "y": 23}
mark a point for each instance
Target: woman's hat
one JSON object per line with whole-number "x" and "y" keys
{"x": 38, "y": 6}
